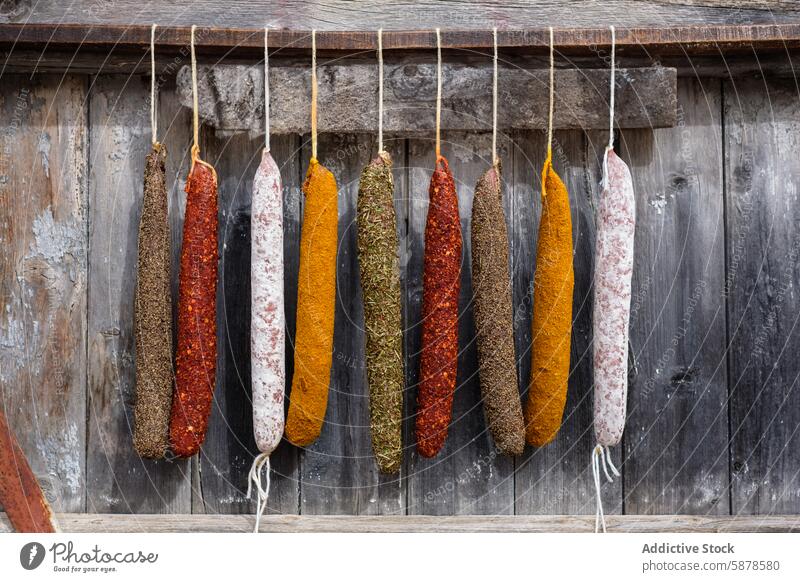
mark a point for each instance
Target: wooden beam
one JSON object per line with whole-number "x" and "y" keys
{"x": 208, "y": 40}
{"x": 231, "y": 98}
{"x": 186, "y": 523}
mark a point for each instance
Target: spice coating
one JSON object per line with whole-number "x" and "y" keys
{"x": 552, "y": 313}
{"x": 268, "y": 324}
{"x": 491, "y": 284}
{"x": 380, "y": 283}
{"x": 20, "y": 495}
{"x": 616, "y": 226}
{"x": 441, "y": 286}
{"x": 196, "y": 357}
{"x": 153, "y": 313}
{"x": 316, "y": 302}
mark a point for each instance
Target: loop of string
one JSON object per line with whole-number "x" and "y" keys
{"x": 601, "y": 456}
{"x": 153, "y": 116}
{"x": 261, "y": 463}
{"x": 494, "y": 101}
{"x": 438, "y": 92}
{"x": 552, "y": 98}
{"x": 195, "y": 114}
{"x": 610, "y": 145}
{"x": 380, "y": 90}
{"x": 266, "y": 88}
{"x": 313, "y": 94}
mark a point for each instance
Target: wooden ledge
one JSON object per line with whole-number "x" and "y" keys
{"x": 117, "y": 523}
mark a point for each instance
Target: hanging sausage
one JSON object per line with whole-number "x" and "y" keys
{"x": 552, "y": 302}
{"x": 196, "y": 356}
{"x": 316, "y": 293}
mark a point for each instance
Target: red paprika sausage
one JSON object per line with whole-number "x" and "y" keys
{"x": 441, "y": 286}
{"x": 196, "y": 358}
{"x": 20, "y": 494}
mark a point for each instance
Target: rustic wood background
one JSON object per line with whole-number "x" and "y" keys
{"x": 713, "y": 406}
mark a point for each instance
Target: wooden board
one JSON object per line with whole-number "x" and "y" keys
{"x": 763, "y": 249}
{"x": 110, "y": 523}
{"x": 467, "y": 476}
{"x": 677, "y": 432}
{"x": 117, "y": 479}
{"x": 231, "y": 98}
{"x": 43, "y": 278}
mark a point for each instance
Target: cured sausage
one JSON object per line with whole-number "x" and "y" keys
{"x": 441, "y": 286}
{"x": 196, "y": 357}
{"x": 20, "y": 495}
{"x": 267, "y": 339}
{"x": 316, "y": 301}
{"x": 552, "y": 313}
{"x": 491, "y": 284}
{"x": 153, "y": 307}
{"x": 616, "y": 225}
{"x": 380, "y": 282}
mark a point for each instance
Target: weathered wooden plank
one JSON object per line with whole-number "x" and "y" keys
{"x": 557, "y": 478}
{"x": 89, "y": 523}
{"x": 338, "y": 472}
{"x": 468, "y": 476}
{"x": 117, "y": 480}
{"x": 220, "y": 29}
{"x": 761, "y": 140}
{"x": 677, "y": 432}
{"x": 232, "y": 97}
{"x": 230, "y": 447}
{"x": 43, "y": 277}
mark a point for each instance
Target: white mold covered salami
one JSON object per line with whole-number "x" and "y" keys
{"x": 616, "y": 224}
{"x": 267, "y": 339}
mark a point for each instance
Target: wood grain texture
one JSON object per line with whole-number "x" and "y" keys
{"x": 468, "y": 476}
{"x": 108, "y": 523}
{"x": 762, "y": 136}
{"x": 119, "y": 139}
{"x": 338, "y": 472}
{"x": 231, "y": 97}
{"x": 43, "y": 277}
{"x": 557, "y": 478}
{"x": 230, "y": 446}
{"x": 677, "y": 432}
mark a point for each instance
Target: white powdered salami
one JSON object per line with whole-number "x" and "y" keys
{"x": 612, "y": 300}
{"x": 267, "y": 340}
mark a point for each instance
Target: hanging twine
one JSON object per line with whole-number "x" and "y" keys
{"x": 313, "y": 94}
{"x": 601, "y": 456}
{"x": 380, "y": 90}
{"x": 494, "y": 101}
{"x": 153, "y": 116}
{"x": 266, "y": 88}
{"x": 552, "y": 98}
{"x": 438, "y": 92}
{"x": 260, "y": 463}
{"x": 610, "y": 145}
{"x": 195, "y": 114}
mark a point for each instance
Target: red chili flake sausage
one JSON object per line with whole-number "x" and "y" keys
{"x": 20, "y": 494}
{"x": 196, "y": 358}
{"x": 441, "y": 286}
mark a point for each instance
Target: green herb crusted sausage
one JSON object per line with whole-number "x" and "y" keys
{"x": 491, "y": 284}
{"x": 380, "y": 282}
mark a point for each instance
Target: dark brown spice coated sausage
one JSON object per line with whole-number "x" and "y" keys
{"x": 20, "y": 494}
{"x": 441, "y": 286}
{"x": 494, "y": 316}
{"x": 196, "y": 357}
